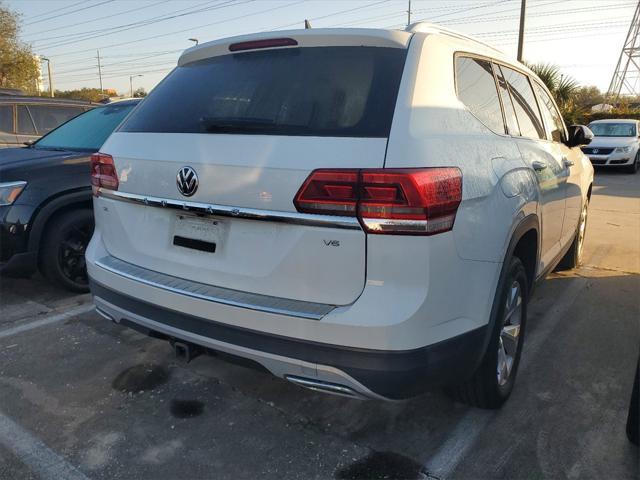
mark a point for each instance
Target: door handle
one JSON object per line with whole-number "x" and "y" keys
{"x": 567, "y": 163}
{"x": 538, "y": 166}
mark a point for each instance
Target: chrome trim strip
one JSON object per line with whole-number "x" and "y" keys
{"x": 295, "y": 218}
{"x": 324, "y": 387}
{"x": 225, "y": 296}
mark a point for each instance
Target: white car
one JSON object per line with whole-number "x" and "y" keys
{"x": 616, "y": 143}
{"x": 361, "y": 212}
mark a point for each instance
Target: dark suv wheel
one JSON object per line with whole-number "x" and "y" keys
{"x": 64, "y": 243}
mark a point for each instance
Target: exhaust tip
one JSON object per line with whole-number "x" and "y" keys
{"x": 104, "y": 314}
{"x": 325, "y": 387}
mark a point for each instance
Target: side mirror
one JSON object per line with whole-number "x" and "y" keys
{"x": 579, "y": 135}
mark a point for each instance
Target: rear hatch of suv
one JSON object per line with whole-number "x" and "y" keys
{"x": 230, "y": 137}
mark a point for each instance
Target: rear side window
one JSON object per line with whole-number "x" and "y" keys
{"x": 509, "y": 111}
{"x": 552, "y": 118}
{"x": 476, "y": 88}
{"x": 6, "y": 118}
{"x": 48, "y": 117}
{"x": 319, "y": 91}
{"x": 87, "y": 131}
{"x": 525, "y": 104}
{"x": 25, "y": 124}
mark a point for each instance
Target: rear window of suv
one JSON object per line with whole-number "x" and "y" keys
{"x": 316, "y": 91}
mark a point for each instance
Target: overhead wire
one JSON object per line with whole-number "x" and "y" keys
{"x": 55, "y": 10}
{"x": 190, "y": 29}
{"x": 101, "y": 19}
{"x": 144, "y": 23}
{"x": 104, "y": 2}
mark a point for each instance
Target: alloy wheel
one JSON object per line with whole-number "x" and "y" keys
{"x": 71, "y": 252}
{"x": 509, "y": 341}
{"x": 582, "y": 229}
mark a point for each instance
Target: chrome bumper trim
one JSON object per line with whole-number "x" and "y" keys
{"x": 327, "y": 221}
{"x": 226, "y": 296}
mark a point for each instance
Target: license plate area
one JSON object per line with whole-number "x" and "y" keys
{"x": 197, "y": 233}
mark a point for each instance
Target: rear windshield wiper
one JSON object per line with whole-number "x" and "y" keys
{"x": 233, "y": 124}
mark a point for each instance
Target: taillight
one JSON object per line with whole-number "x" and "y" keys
{"x": 103, "y": 172}
{"x": 399, "y": 201}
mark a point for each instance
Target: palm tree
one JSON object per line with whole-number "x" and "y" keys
{"x": 561, "y": 86}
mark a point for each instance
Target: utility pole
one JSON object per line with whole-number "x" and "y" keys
{"x": 100, "y": 72}
{"x": 45, "y": 59}
{"x": 523, "y": 8}
{"x": 409, "y": 14}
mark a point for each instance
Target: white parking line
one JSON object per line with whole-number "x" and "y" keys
{"x": 444, "y": 462}
{"x": 40, "y": 459}
{"x": 46, "y": 320}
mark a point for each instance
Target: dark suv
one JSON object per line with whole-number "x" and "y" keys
{"x": 46, "y": 215}
{"x": 25, "y": 119}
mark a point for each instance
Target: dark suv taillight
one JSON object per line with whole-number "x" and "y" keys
{"x": 103, "y": 172}
{"x": 399, "y": 201}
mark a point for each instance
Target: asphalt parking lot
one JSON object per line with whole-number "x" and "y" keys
{"x": 82, "y": 398}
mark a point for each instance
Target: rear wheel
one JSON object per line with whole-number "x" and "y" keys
{"x": 573, "y": 257}
{"x": 633, "y": 168}
{"x": 62, "y": 254}
{"x": 493, "y": 381}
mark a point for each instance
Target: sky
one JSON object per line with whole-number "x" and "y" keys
{"x": 145, "y": 37}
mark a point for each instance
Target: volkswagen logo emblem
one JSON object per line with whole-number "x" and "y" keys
{"x": 187, "y": 181}
{"x": 595, "y": 150}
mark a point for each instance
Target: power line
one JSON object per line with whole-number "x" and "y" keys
{"x": 184, "y": 30}
{"x": 90, "y": 76}
{"x": 56, "y": 10}
{"x": 71, "y": 12}
{"x": 101, "y": 19}
{"x": 467, "y": 9}
{"x": 121, "y": 75}
{"x": 120, "y": 55}
{"x": 606, "y": 32}
{"x": 480, "y": 15}
{"x": 124, "y": 62}
{"x": 540, "y": 14}
{"x": 327, "y": 16}
{"x": 566, "y": 27}
{"x": 143, "y": 23}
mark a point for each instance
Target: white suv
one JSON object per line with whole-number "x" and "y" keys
{"x": 362, "y": 212}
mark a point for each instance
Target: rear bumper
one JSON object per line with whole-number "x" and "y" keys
{"x": 366, "y": 373}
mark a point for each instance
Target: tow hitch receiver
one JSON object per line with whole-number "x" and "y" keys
{"x": 186, "y": 351}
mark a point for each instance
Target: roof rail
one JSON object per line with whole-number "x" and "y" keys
{"x": 428, "y": 27}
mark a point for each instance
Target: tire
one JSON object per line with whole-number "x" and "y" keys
{"x": 633, "y": 168}
{"x": 62, "y": 250}
{"x": 573, "y": 258}
{"x": 492, "y": 383}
